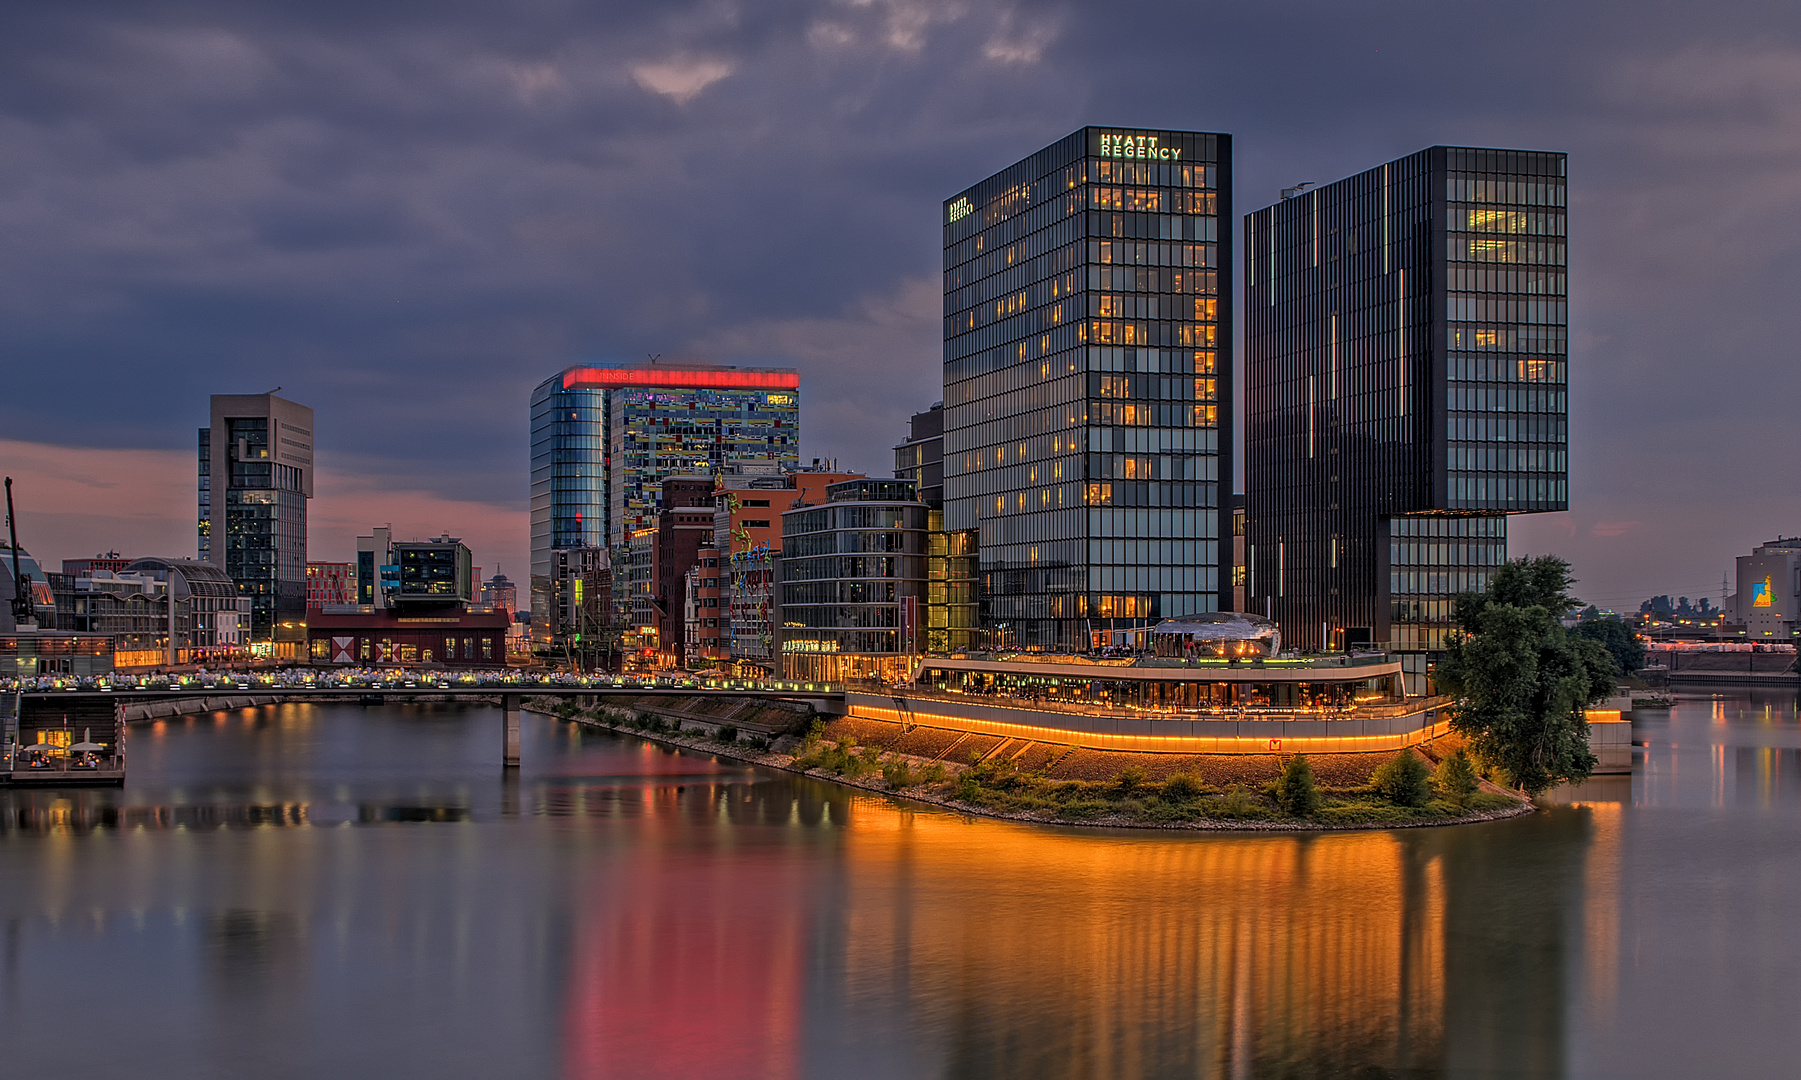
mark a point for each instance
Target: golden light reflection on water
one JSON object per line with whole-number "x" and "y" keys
{"x": 1123, "y": 953}
{"x": 1014, "y": 951}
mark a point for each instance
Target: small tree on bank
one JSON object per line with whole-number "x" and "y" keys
{"x": 1404, "y": 779}
{"x": 1521, "y": 681}
{"x": 1296, "y": 791}
{"x": 1454, "y": 780}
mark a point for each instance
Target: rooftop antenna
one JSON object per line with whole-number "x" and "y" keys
{"x": 655, "y": 356}
{"x": 22, "y": 610}
{"x": 273, "y": 392}
{"x": 1291, "y": 192}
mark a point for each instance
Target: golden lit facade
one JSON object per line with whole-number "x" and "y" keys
{"x": 1087, "y": 406}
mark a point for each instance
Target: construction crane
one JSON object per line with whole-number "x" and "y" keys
{"x": 23, "y": 612}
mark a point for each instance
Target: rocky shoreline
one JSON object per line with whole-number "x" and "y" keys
{"x": 697, "y": 740}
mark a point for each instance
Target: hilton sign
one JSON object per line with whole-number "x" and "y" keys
{"x": 1143, "y": 147}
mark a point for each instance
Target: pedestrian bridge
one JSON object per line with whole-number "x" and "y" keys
{"x": 76, "y": 708}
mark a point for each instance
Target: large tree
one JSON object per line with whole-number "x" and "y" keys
{"x": 1620, "y": 641}
{"x": 1521, "y": 681}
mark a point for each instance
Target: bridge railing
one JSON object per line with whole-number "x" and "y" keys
{"x": 498, "y": 681}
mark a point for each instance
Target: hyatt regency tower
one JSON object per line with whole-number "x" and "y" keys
{"x": 1087, "y": 301}
{"x": 1406, "y": 377}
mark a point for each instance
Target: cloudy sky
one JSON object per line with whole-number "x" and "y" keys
{"x": 407, "y": 214}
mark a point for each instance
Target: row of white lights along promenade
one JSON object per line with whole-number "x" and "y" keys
{"x": 1209, "y": 684}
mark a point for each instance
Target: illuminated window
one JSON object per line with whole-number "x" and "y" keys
{"x": 1497, "y": 221}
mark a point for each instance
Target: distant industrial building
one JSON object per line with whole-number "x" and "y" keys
{"x": 1406, "y": 373}
{"x": 605, "y": 438}
{"x": 256, "y": 475}
{"x": 1768, "y": 604}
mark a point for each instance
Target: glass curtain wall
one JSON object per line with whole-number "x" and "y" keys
{"x": 1406, "y": 366}
{"x": 1087, "y": 309}
{"x": 569, "y": 487}
{"x": 853, "y": 577}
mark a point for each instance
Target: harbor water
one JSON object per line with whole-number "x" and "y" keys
{"x": 345, "y": 891}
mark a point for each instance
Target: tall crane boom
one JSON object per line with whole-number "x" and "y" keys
{"x": 22, "y": 609}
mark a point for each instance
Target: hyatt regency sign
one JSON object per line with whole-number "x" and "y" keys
{"x": 1143, "y": 147}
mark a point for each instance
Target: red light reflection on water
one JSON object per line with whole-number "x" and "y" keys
{"x": 689, "y": 968}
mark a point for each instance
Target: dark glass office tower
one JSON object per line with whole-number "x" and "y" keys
{"x": 1086, "y": 359}
{"x": 1405, "y": 376}
{"x": 256, "y": 475}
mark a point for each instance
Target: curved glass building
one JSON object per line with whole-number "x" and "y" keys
{"x": 605, "y": 438}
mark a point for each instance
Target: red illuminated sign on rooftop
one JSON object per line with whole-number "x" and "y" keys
{"x": 681, "y": 378}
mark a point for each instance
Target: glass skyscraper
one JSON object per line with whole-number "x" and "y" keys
{"x": 1406, "y": 388}
{"x": 1087, "y": 382}
{"x": 604, "y": 439}
{"x": 256, "y": 475}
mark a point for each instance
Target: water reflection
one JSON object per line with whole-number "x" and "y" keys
{"x": 364, "y": 892}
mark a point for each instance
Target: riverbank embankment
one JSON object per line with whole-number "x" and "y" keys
{"x": 1039, "y": 783}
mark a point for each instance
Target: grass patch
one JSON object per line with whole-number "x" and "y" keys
{"x": 998, "y": 786}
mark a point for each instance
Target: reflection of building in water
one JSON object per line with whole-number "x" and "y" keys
{"x": 1095, "y": 956}
{"x": 1510, "y": 897}
{"x": 685, "y": 965}
{"x": 987, "y": 950}
{"x": 1767, "y": 776}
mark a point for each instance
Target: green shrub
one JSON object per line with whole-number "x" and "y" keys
{"x": 1129, "y": 779}
{"x": 1236, "y": 803}
{"x": 757, "y": 742}
{"x": 1404, "y": 780}
{"x": 859, "y": 763}
{"x": 934, "y": 773}
{"x": 899, "y": 775}
{"x": 728, "y": 733}
{"x": 968, "y": 789}
{"x": 1455, "y": 779}
{"x": 1183, "y": 787}
{"x": 1296, "y": 792}
{"x": 816, "y": 753}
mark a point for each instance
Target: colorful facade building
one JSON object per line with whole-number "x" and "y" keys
{"x": 706, "y": 625}
{"x": 605, "y": 438}
{"x": 330, "y": 583}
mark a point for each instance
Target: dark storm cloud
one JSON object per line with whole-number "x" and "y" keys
{"x": 409, "y": 214}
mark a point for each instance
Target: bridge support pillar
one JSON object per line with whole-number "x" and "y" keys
{"x": 509, "y": 705}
